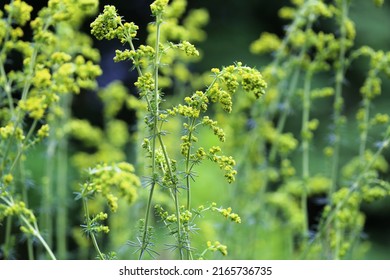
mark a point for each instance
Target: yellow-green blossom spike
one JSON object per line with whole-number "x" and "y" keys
{"x": 43, "y": 131}
{"x": 19, "y": 11}
{"x": 7, "y": 179}
{"x": 267, "y": 43}
{"x": 158, "y": 6}
{"x": 106, "y": 24}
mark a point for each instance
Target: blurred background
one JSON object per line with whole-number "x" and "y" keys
{"x": 233, "y": 26}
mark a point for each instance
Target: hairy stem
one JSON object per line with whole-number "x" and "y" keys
{"x": 188, "y": 165}
{"x": 92, "y": 235}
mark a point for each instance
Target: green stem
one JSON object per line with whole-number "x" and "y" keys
{"x": 23, "y": 145}
{"x": 154, "y": 109}
{"x": 338, "y": 240}
{"x": 88, "y": 220}
{"x": 144, "y": 237}
{"x": 179, "y": 232}
{"x": 291, "y": 31}
{"x": 95, "y": 244}
{"x": 8, "y": 239}
{"x": 188, "y": 165}
{"x": 39, "y": 236}
{"x": 47, "y": 196}
{"x": 291, "y": 89}
{"x": 62, "y": 192}
{"x": 305, "y": 132}
{"x": 7, "y": 88}
{"x": 188, "y": 168}
{"x": 155, "y": 112}
{"x": 176, "y": 191}
{"x": 338, "y": 100}
{"x": 364, "y": 129}
{"x": 62, "y": 182}
{"x": 283, "y": 118}
{"x": 30, "y": 248}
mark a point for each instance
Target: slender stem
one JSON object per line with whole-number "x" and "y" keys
{"x": 291, "y": 89}
{"x": 305, "y": 148}
{"x": 47, "y": 196}
{"x": 7, "y": 88}
{"x": 188, "y": 165}
{"x": 283, "y": 118}
{"x": 338, "y": 240}
{"x": 338, "y": 100}
{"x": 62, "y": 182}
{"x": 8, "y": 240}
{"x": 23, "y": 145}
{"x": 88, "y": 220}
{"x": 156, "y": 133}
{"x": 188, "y": 186}
{"x": 95, "y": 244}
{"x": 291, "y": 30}
{"x": 154, "y": 109}
{"x": 188, "y": 169}
{"x": 364, "y": 129}
{"x": 179, "y": 233}
{"x": 35, "y": 231}
{"x": 22, "y": 180}
{"x": 62, "y": 215}
{"x": 43, "y": 242}
{"x": 148, "y": 207}
{"x": 176, "y": 197}
{"x": 31, "y": 226}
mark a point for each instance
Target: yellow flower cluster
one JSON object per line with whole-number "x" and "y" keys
{"x": 158, "y": 6}
{"x": 187, "y": 47}
{"x": 95, "y": 226}
{"x": 35, "y": 106}
{"x": 217, "y": 246}
{"x": 10, "y": 130}
{"x": 106, "y": 24}
{"x": 110, "y": 179}
{"x": 85, "y": 132}
{"x": 225, "y": 163}
{"x": 267, "y": 43}
{"x": 227, "y": 213}
{"x": 7, "y": 179}
{"x": 19, "y": 11}
{"x": 16, "y": 209}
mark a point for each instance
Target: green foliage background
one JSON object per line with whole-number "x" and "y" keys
{"x": 233, "y": 26}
